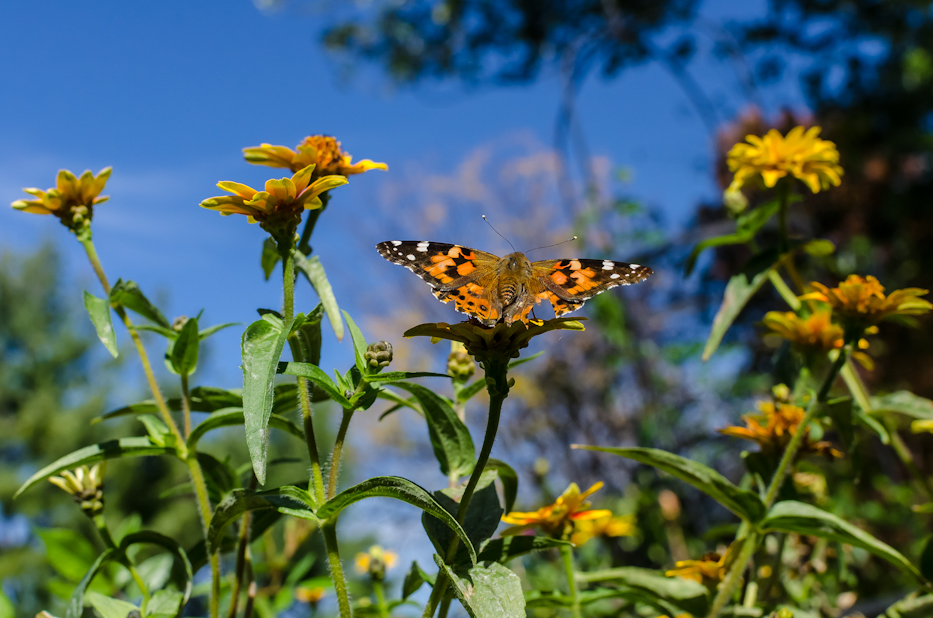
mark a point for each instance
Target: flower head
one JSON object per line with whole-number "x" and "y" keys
{"x": 816, "y": 333}
{"x": 800, "y": 154}
{"x": 861, "y": 301}
{"x": 279, "y": 207}
{"x": 322, "y": 151}
{"x": 774, "y": 427}
{"x": 608, "y": 525}
{"x": 375, "y": 562}
{"x": 561, "y": 519}
{"x": 708, "y": 570}
{"x": 311, "y": 596}
{"x": 86, "y": 485}
{"x": 72, "y": 199}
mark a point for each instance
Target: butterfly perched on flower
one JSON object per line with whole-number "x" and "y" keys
{"x": 489, "y": 288}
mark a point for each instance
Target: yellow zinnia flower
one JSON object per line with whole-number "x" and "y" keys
{"x": 558, "y": 520}
{"x": 816, "y": 332}
{"x": 708, "y": 570}
{"x": 321, "y": 150}
{"x": 312, "y": 596}
{"x": 72, "y": 200}
{"x": 862, "y": 301}
{"x": 800, "y": 154}
{"x": 277, "y": 209}
{"x": 607, "y": 525}
{"x": 375, "y": 562}
{"x": 774, "y": 428}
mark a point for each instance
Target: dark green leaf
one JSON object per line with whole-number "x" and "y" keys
{"x": 450, "y": 438}
{"x": 508, "y": 547}
{"x": 234, "y": 416}
{"x": 305, "y": 340}
{"x": 793, "y": 516}
{"x": 270, "y": 257}
{"x": 262, "y": 346}
{"x": 183, "y": 359}
{"x": 480, "y": 522}
{"x": 312, "y": 269}
{"x": 359, "y": 345}
{"x": 655, "y": 587}
{"x": 488, "y": 592}
{"x": 111, "y": 449}
{"x": 128, "y": 294}
{"x": 287, "y": 500}
{"x": 76, "y": 602}
{"x": 747, "y": 226}
{"x": 321, "y": 379}
{"x": 509, "y": 479}
{"x": 926, "y": 559}
{"x": 400, "y": 489}
{"x": 739, "y": 291}
{"x": 168, "y": 333}
{"x": 393, "y": 376}
{"x": 743, "y": 503}
{"x": 99, "y": 311}
{"x": 219, "y": 476}
{"x": 413, "y": 581}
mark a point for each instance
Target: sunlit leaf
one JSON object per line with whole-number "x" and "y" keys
{"x": 99, "y": 311}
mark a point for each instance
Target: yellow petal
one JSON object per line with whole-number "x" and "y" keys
{"x": 302, "y": 177}
{"x": 244, "y": 191}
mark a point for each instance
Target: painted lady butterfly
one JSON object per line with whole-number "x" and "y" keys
{"x": 490, "y": 288}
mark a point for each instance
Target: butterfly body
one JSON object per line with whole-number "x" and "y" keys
{"x": 489, "y": 288}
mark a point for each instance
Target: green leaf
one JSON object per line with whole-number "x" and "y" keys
{"x": 164, "y": 604}
{"x": 506, "y": 548}
{"x": 321, "y": 379}
{"x": 169, "y": 333}
{"x": 111, "y": 449}
{"x": 270, "y": 257}
{"x": 183, "y": 352}
{"x": 171, "y": 545}
{"x": 739, "y": 291}
{"x": 413, "y": 581}
{"x": 262, "y": 346}
{"x": 359, "y": 345}
{"x": 509, "y": 479}
{"x": 654, "y": 587}
{"x": 480, "y": 521}
{"x": 234, "y": 416}
{"x": 110, "y": 608}
{"x": 903, "y": 402}
{"x": 488, "y": 592}
{"x": 400, "y": 489}
{"x": 393, "y": 376}
{"x": 305, "y": 340}
{"x": 287, "y": 500}
{"x": 743, "y": 503}
{"x": 210, "y": 330}
{"x": 926, "y": 559}
{"x": 158, "y": 432}
{"x": 69, "y": 552}
{"x": 312, "y": 269}
{"x": 99, "y": 311}
{"x": 450, "y": 438}
{"x": 747, "y": 226}
{"x": 76, "y": 602}
{"x": 819, "y": 247}
{"x": 128, "y": 294}
{"x": 912, "y": 606}
{"x": 793, "y": 516}
{"x": 6, "y": 606}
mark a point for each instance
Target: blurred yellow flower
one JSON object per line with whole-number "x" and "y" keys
{"x": 375, "y": 562}
{"x": 816, "y": 332}
{"x": 72, "y": 199}
{"x": 774, "y": 428}
{"x": 86, "y": 485}
{"x": 561, "y": 519}
{"x": 862, "y": 301}
{"x": 607, "y": 525}
{"x": 311, "y": 596}
{"x": 322, "y": 151}
{"x": 922, "y": 426}
{"x": 278, "y": 209}
{"x": 800, "y": 154}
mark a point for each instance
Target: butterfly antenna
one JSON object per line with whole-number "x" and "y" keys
{"x": 554, "y": 245}
{"x": 497, "y": 232}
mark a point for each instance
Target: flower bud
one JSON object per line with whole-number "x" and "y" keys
{"x": 87, "y": 487}
{"x": 378, "y": 355}
{"x": 460, "y": 365}
{"x": 734, "y": 201}
{"x": 179, "y": 323}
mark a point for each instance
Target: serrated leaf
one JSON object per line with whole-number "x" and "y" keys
{"x": 270, "y": 257}
{"x": 183, "y": 358}
{"x": 793, "y": 516}
{"x": 262, "y": 345}
{"x": 111, "y": 449}
{"x": 743, "y": 503}
{"x": 313, "y": 271}
{"x": 400, "y": 489}
{"x": 128, "y": 294}
{"x": 99, "y": 311}
{"x": 487, "y": 592}
{"x": 450, "y": 438}
{"x": 287, "y": 500}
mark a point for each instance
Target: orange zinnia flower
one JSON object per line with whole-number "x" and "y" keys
{"x": 566, "y": 517}
{"x": 861, "y": 301}
{"x": 774, "y": 428}
{"x": 322, "y": 151}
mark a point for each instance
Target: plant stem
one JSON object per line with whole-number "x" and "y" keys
{"x": 288, "y": 283}
{"x": 197, "y": 477}
{"x": 317, "y": 478}
{"x": 444, "y": 606}
{"x": 106, "y": 537}
{"x": 185, "y": 405}
{"x": 381, "y": 599}
{"x": 338, "y": 450}
{"x": 566, "y": 554}
{"x": 329, "y": 530}
{"x": 789, "y": 297}
{"x": 734, "y": 576}
{"x": 242, "y": 545}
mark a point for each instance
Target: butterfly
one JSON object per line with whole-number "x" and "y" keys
{"x": 489, "y": 288}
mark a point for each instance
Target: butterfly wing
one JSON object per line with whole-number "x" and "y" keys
{"x": 460, "y": 274}
{"x": 567, "y": 284}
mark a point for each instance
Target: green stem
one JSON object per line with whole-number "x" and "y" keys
{"x": 338, "y": 450}
{"x": 734, "y": 576}
{"x": 288, "y": 283}
{"x": 204, "y": 503}
{"x": 444, "y": 606}
{"x": 381, "y": 599}
{"x": 498, "y": 389}
{"x": 185, "y": 405}
{"x": 242, "y": 545}
{"x": 329, "y": 530}
{"x": 789, "y": 297}
{"x": 317, "y": 477}
{"x": 566, "y": 554}
{"x": 106, "y": 537}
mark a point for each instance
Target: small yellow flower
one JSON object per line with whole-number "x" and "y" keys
{"x": 708, "y": 570}
{"x": 312, "y": 596}
{"x": 559, "y": 520}
{"x": 278, "y": 209}
{"x": 375, "y": 562}
{"x": 72, "y": 200}
{"x": 607, "y": 525}
{"x": 800, "y": 154}
{"x": 861, "y": 301}
{"x": 86, "y": 485}
{"x": 774, "y": 428}
{"x": 816, "y": 333}
{"x": 922, "y": 426}
{"x": 322, "y": 151}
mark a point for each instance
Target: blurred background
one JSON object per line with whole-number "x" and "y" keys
{"x": 608, "y": 119}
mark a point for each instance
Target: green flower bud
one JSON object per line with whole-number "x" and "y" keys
{"x": 378, "y": 355}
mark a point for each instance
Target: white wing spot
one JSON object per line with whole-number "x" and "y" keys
{"x": 422, "y": 246}
{"x": 410, "y": 257}
{"x": 396, "y": 242}
{"x": 607, "y": 265}
{"x": 614, "y": 276}
{"x": 634, "y": 266}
